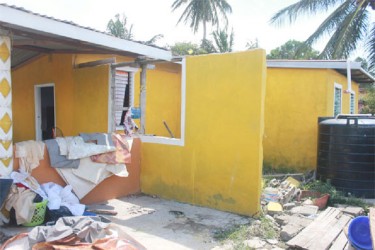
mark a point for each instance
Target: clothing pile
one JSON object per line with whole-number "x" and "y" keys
{"x": 21, "y": 204}
{"x": 78, "y": 232}
{"x": 82, "y": 162}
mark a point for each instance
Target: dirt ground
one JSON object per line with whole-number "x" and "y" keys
{"x": 161, "y": 224}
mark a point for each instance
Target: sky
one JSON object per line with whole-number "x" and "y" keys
{"x": 249, "y": 20}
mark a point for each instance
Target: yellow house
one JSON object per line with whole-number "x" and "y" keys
{"x": 199, "y": 144}
{"x": 298, "y": 92}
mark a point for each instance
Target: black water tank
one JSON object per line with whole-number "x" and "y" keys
{"x": 346, "y": 154}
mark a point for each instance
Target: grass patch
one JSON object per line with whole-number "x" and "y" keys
{"x": 262, "y": 228}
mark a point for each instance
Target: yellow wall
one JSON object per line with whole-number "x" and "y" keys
{"x": 55, "y": 69}
{"x": 91, "y": 99}
{"x": 220, "y": 165}
{"x": 295, "y": 98}
{"x": 81, "y": 95}
{"x": 163, "y": 102}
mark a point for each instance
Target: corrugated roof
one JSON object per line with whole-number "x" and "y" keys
{"x": 34, "y": 34}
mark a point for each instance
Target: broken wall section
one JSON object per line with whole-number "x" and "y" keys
{"x": 220, "y": 164}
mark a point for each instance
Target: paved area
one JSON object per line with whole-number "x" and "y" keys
{"x": 161, "y": 224}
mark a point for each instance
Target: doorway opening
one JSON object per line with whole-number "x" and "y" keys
{"x": 45, "y": 115}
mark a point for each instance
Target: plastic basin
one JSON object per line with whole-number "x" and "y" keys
{"x": 359, "y": 233}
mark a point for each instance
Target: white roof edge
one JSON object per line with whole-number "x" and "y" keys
{"x": 312, "y": 64}
{"x": 318, "y": 64}
{"x": 47, "y": 25}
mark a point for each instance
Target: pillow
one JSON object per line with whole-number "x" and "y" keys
{"x": 121, "y": 155}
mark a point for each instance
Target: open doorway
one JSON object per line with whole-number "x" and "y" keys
{"x": 45, "y": 118}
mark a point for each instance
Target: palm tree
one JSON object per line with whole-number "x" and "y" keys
{"x": 346, "y": 26}
{"x": 118, "y": 27}
{"x": 223, "y": 40}
{"x": 203, "y": 11}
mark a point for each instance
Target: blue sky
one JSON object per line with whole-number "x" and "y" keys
{"x": 249, "y": 20}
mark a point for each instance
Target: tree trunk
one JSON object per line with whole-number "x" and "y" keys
{"x": 204, "y": 30}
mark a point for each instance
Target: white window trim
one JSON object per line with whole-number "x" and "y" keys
{"x": 339, "y": 86}
{"x": 173, "y": 141}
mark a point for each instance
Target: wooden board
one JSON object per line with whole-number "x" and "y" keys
{"x": 322, "y": 232}
{"x": 340, "y": 243}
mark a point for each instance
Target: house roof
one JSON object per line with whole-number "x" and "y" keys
{"x": 358, "y": 74}
{"x": 34, "y": 34}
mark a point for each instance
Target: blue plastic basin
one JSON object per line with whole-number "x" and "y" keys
{"x": 359, "y": 233}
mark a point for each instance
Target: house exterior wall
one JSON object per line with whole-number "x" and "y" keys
{"x": 220, "y": 165}
{"x": 55, "y": 69}
{"x": 81, "y": 95}
{"x": 295, "y": 98}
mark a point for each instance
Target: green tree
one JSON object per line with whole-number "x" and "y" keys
{"x": 223, "y": 40}
{"x": 368, "y": 101}
{"x": 186, "y": 48}
{"x": 252, "y": 44}
{"x": 199, "y": 12}
{"x": 118, "y": 27}
{"x": 347, "y": 25}
{"x": 289, "y": 51}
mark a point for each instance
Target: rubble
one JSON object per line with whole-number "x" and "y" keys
{"x": 306, "y": 210}
{"x": 355, "y": 211}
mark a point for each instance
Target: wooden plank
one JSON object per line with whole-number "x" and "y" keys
{"x": 332, "y": 233}
{"x": 372, "y": 225}
{"x": 340, "y": 243}
{"x": 96, "y": 63}
{"x": 308, "y": 234}
{"x": 322, "y": 231}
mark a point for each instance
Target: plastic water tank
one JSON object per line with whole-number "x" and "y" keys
{"x": 346, "y": 154}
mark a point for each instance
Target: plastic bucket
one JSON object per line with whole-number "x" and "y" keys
{"x": 359, "y": 233}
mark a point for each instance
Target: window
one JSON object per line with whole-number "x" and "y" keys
{"x": 352, "y": 103}
{"x": 337, "y": 99}
{"x": 121, "y": 96}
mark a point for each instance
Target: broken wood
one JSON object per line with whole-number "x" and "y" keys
{"x": 323, "y": 231}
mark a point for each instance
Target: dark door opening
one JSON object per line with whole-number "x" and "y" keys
{"x": 47, "y": 105}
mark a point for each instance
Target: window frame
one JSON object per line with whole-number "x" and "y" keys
{"x": 173, "y": 141}
{"x": 337, "y": 86}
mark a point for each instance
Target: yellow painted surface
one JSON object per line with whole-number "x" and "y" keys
{"x": 81, "y": 95}
{"x": 163, "y": 102}
{"x": 55, "y": 69}
{"x": 91, "y": 99}
{"x": 220, "y": 165}
{"x": 295, "y": 98}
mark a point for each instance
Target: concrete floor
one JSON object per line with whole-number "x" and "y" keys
{"x": 161, "y": 224}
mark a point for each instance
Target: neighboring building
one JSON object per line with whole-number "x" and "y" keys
{"x": 298, "y": 92}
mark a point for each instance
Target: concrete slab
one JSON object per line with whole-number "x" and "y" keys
{"x": 161, "y": 224}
